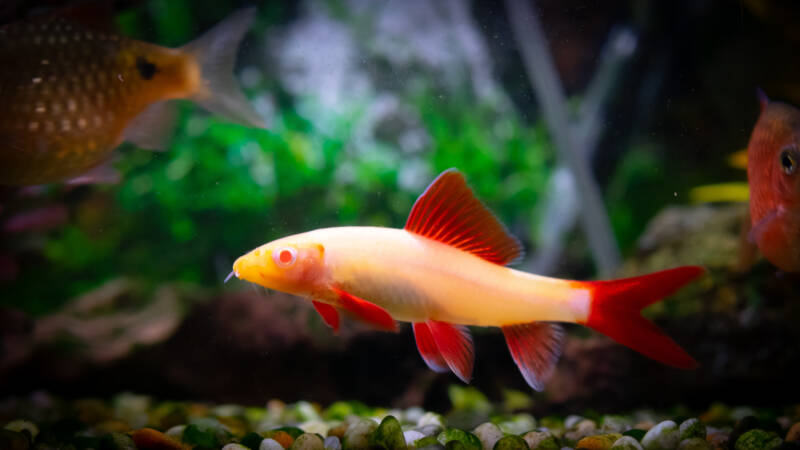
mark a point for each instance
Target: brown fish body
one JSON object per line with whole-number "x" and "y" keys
{"x": 773, "y": 172}
{"x": 70, "y": 92}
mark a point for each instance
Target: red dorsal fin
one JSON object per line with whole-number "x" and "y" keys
{"x": 535, "y": 348}
{"x": 328, "y": 313}
{"x": 366, "y": 311}
{"x": 428, "y": 349}
{"x": 448, "y": 212}
{"x": 455, "y": 347}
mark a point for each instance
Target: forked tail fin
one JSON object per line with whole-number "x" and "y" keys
{"x": 615, "y": 312}
{"x": 216, "y": 54}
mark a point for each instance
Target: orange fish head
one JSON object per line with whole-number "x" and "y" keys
{"x": 295, "y": 265}
{"x": 774, "y": 160}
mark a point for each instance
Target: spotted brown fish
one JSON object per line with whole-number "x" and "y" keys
{"x": 71, "y": 94}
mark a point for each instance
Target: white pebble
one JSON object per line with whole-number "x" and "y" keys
{"x": 332, "y": 443}
{"x": 270, "y": 444}
{"x": 233, "y": 446}
{"x": 412, "y": 436}
{"x": 662, "y": 436}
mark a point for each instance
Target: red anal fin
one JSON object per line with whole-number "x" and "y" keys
{"x": 615, "y": 312}
{"x": 535, "y": 348}
{"x": 428, "y": 349}
{"x": 455, "y": 347}
{"x": 366, "y": 311}
{"x": 328, "y": 313}
{"x": 448, "y": 212}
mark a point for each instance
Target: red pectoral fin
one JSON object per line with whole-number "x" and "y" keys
{"x": 455, "y": 346}
{"x": 328, "y": 314}
{"x": 366, "y": 311}
{"x": 428, "y": 349}
{"x": 535, "y": 348}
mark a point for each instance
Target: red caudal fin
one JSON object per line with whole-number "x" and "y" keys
{"x": 455, "y": 348}
{"x": 328, "y": 313}
{"x": 535, "y": 348}
{"x": 428, "y": 349}
{"x": 615, "y": 312}
{"x": 448, "y": 212}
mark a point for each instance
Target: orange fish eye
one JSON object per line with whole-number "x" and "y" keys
{"x": 284, "y": 256}
{"x": 788, "y": 160}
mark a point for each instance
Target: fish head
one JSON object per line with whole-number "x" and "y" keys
{"x": 294, "y": 264}
{"x": 773, "y": 166}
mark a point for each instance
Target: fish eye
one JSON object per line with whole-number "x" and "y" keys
{"x": 284, "y": 256}
{"x": 788, "y": 160}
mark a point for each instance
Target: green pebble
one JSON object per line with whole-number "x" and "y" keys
{"x": 694, "y": 443}
{"x": 511, "y": 442}
{"x": 357, "y": 434}
{"x": 521, "y": 423}
{"x": 663, "y": 436}
{"x": 470, "y": 441}
{"x": 635, "y": 433}
{"x": 195, "y": 435}
{"x": 13, "y": 440}
{"x": 388, "y": 435}
{"x": 427, "y": 442}
{"x": 691, "y": 428}
{"x": 307, "y": 441}
{"x": 626, "y": 443}
{"x": 488, "y": 433}
{"x": 430, "y": 418}
{"x": 757, "y": 440}
{"x": 117, "y": 441}
{"x": 541, "y": 440}
{"x": 455, "y": 445}
{"x": 20, "y": 425}
{"x": 251, "y": 440}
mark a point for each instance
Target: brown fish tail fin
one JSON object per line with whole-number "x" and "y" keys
{"x": 216, "y": 55}
{"x": 615, "y": 312}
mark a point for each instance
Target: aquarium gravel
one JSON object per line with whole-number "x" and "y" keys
{"x": 129, "y": 421}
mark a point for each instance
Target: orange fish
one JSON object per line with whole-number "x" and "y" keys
{"x": 71, "y": 94}
{"x": 773, "y": 157}
{"x": 445, "y": 270}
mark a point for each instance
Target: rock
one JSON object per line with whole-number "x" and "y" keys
{"x": 626, "y": 443}
{"x": 572, "y": 420}
{"x": 598, "y": 442}
{"x": 307, "y": 441}
{"x": 694, "y": 443}
{"x": 332, "y": 443}
{"x": 469, "y": 440}
{"x": 282, "y": 437}
{"x": 13, "y": 440}
{"x": 234, "y": 446}
{"x": 793, "y": 435}
{"x": 357, "y": 435}
{"x": 614, "y": 424}
{"x": 176, "y": 432}
{"x": 663, "y": 436}
{"x": 339, "y": 430}
{"x": 20, "y": 425}
{"x": 412, "y": 436}
{"x": 757, "y": 440}
{"x": 270, "y": 444}
{"x": 117, "y": 441}
{"x": 430, "y": 419}
{"x": 691, "y": 428}
{"x": 540, "y": 440}
{"x": 388, "y": 435}
{"x": 430, "y": 430}
{"x": 314, "y": 427}
{"x": 521, "y": 423}
{"x": 510, "y": 442}
{"x": 148, "y": 438}
{"x": 488, "y": 433}
{"x": 579, "y": 431}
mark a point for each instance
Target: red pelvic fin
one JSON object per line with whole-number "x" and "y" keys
{"x": 535, "y": 348}
{"x": 455, "y": 347}
{"x": 615, "y": 312}
{"x": 448, "y": 212}
{"x": 428, "y": 349}
{"x": 328, "y": 313}
{"x": 366, "y": 311}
